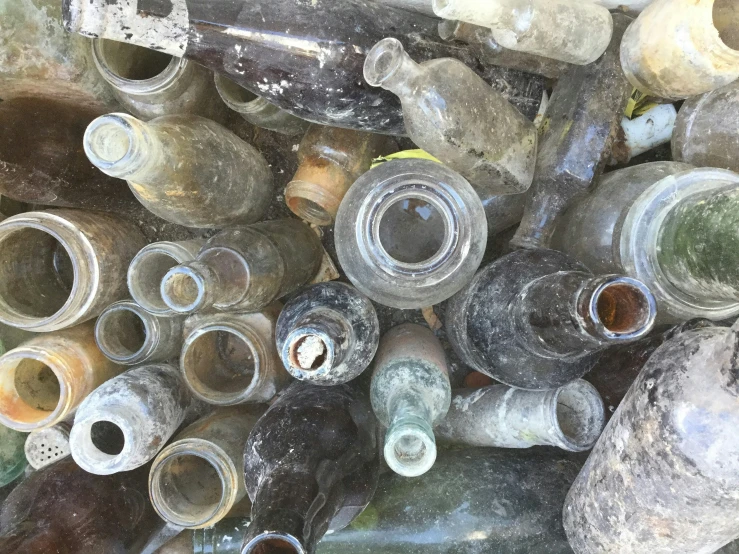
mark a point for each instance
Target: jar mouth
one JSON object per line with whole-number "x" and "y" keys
{"x": 124, "y": 332}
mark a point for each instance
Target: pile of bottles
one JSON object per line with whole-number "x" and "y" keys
{"x": 369, "y": 276}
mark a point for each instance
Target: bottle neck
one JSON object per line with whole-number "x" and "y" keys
{"x": 410, "y": 445}
{"x": 389, "y": 66}
{"x": 319, "y": 343}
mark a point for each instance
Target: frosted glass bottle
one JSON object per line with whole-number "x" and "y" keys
{"x": 568, "y": 30}
{"x": 184, "y": 168}
{"x": 450, "y": 112}
{"x": 681, "y": 48}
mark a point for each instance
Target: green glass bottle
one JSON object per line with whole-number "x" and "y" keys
{"x": 12, "y": 454}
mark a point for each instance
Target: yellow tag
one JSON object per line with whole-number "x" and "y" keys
{"x": 639, "y": 104}
{"x": 404, "y": 155}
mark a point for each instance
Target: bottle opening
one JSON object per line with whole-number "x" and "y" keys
{"x": 580, "y": 414}
{"x": 309, "y": 211}
{"x": 382, "y": 61}
{"x": 410, "y": 449}
{"x": 232, "y": 93}
{"x": 190, "y": 488}
{"x": 182, "y": 291}
{"x": 148, "y": 272}
{"x": 623, "y": 308}
{"x": 273, "y": 545}
{"x": 107, "y": 437}
{"x": 37, "y": 386}
{"x": 412, "y": 230}
{"x": 220, "y": 362}
{"x": 308, "y": 353}
{"x": 36, "y": 274}
{"x": 121, "y": 333}
{"x": 130, "y": 62}
{"x": 108, "y": 140}
{"x": 726, "y": 21}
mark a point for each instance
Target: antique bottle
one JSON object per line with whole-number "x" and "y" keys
{"x": 231, "y": 358}
{"x": 310, "y": 465}
{"x": 65, "y": 510}
{"x": 328, "y": 334}
{"x": 62, "y": 267}
{"x": 536, "y": 319}
{"x": 305, "y": 57}
{"x": 410, "y": 394}
{"x": 12, "y": 455}
{"x": 410, "y": 233}
{"x": 149, "y": 84}
{"x": 644, "y": 133}
{"x": 185, "y": 169}
{"x": 199, "y": 477}
{"x": 256, "y": 110}
{"x": 44, "y": 380}
{"x": 706, "y": 129}
{"x": 668, "y": 225}
{"x": 565, "y": 30}
{"x": 143, "y": 407}
{"x": 42, "y": 160}
{"x": 570, "y": 417}
{"x": 578, "y": 130}
{"x": 450, "y": 112}
{"x": 245, "y": 269}
{"x": 668, "y": 455}
{"x": 330, "y": 159}
{"x": 48, "y": 446}
{"x": 662, "y": 60}
{"x": 149, "y": 267}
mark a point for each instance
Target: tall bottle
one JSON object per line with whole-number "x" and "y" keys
{"x": 245, "y": 269}
{"x": 578, "y": 130}
{"x": 536, "y": 319}
{"x": 668, "y": 455}
{"x": 305, "y": 57}
{"x": 318, "y": 474}
{"x": 668, "y": 225}
{"x": 184, "y": 168}
{"x": 453, "y": 114}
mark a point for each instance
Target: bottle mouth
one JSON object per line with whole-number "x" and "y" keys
{"x": 102, "y": 446}
{"x": 308, "y": 354}
{"x": 124, "y": 333}
{"x": 183, "y": 289}
{"x": 236, "y": 97}
{"x": 579, "y": 414}
{"x": 443, "y": 8}
{"x": 273, "y": 543}
{"x": 114, "y": 146}
{"x": 382, "y": 61}
{"x": 311, "y": 202}
{"x": 622, "y": 309}
{"x": 410, "y": 448}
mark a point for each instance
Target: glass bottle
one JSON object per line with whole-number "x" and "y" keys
{"x": 62, "y": 267}
{"x": 141, "y": 408}
{"x": 245, "y": 269}
{"x": 328, "y": 334}
{"x": 565, "y": 30}
{"x": 330, "y": 161}
{"x": 256, "y": 110}
{"x": 231, "y": 358}
{"x": 47, "y": 446}
{"x": 662, "y": 60}
{"x": 577, "y": 133}
{"x": 65, "y": 510}
{"x": 199, "y": 477}
{"x": 653, "y": 128}
{"x": 410, "y": 233}
{"x": 537, "y": 320}
{"x": 450, "y": 112}
{"x": 44, "y": 380}
{"x": 668, "y": 225}
{"x": 12, "y": 455}
{"x": 410, "y": 394}
{"x": 706, "y": 129}
{"x": 304, "y": 57}
{"x": 185, "y": 169}
{"x": 668, "y": 455}
{"x": 150, "y": 84}
{"x": 317, "y": 474}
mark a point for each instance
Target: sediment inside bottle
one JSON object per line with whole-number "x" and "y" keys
{"x": 308, "y": 353}
{"x": 29, "y": 390}
{"x": 622, "y": 308}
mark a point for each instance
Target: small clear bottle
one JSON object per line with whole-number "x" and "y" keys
{"x": 410, "y": 394}
{"x": 63, "y": 267}
{"x": 185, "y": 169}
{"x": 566, "y": 30}
{"x": 450, "y": 112}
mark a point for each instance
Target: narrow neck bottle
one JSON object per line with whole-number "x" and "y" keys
{"x": 410, "y": 445}
{"x": 389, "y": 66}
{"x": 320, "y": 340}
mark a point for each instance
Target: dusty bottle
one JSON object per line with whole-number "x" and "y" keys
{"x": 565, "y": 30}
{"x": 184, "y": 168}
{"x": 256, "y": 110}
{"x": 305, "y": 57}
{"x": 245, "y": 269}
{"x": 410, "y": 233}
{"x": 328, "y": 334}
{"x": 410, "y": 394}
{"x": 44, "y": 380}
{"x": 662, "y": 60}
{"x": 65, "y": 510}
{"x": 62, "y": 267}
{"x": 149, "y": 84}
{"x": 641, "y": 134}
{"x": 48, "y": 446}
{"x": 577, "y": 133}
{"x": 12, "y": 455}
{"x": 42, "y": 162}
{"x": 706, "y": 129}
{"x": 668, "y": 225}
{"x": 331, "y": 160}
{"x": 197, "y": 479}
{"x": 318, "y": 474}
{"x": 231, "y": 358}
{"x": 570, "y": 417}
{"x": 150, "y": 265}
{"x": 143, "y": 407}
{"x": 657, "y": 459}
{"x": 450, "y": 112}
{"x": 536, "y": 319}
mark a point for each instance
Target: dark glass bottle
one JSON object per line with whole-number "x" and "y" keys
{"x": 311, "y": 464}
